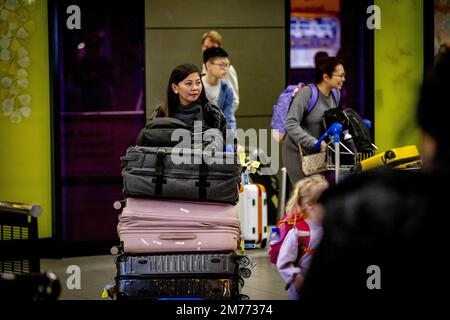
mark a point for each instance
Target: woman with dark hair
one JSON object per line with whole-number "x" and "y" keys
{"x": 186, "y": 101}
{"x": 304, "y": 128}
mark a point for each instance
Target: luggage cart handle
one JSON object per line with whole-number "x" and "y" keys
{"x": 335, "y": 129}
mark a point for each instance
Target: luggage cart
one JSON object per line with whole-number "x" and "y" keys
{"x": 334, "y": 153}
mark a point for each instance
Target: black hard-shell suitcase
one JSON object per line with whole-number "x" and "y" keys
{"x": 166, "y": 288}
{"x": 180, "y": 264}
{"x": 184, "y": 174}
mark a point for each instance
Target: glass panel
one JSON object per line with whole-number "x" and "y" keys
{"x": 102, "y": 111}
{"x": 314, "y": 27}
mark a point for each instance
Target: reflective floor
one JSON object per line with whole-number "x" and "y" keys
{"x": 99, "y": 271}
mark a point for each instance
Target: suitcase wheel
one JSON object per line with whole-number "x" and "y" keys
{"x": 121, "y": 296}
{"x": 244, "y": 297}
{"x": 115, "y": 250}
{"x": 244, "y": 261}
{"x": 245, "y": 272}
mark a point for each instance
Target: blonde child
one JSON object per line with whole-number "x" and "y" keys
{"x": 302, "y": 205}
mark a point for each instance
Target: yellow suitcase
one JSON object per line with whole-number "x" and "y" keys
{"x": 406, "y": 157}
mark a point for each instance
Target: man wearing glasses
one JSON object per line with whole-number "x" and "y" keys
{"x": 217, "y": 90}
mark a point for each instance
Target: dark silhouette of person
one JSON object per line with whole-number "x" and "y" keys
{"x": 384, "y": 240}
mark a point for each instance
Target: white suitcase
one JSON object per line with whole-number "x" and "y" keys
{"x": 253, "y": 215}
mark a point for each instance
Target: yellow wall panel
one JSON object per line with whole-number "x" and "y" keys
{"x": 25, "y": 154}
{"x": 398, "y": 72}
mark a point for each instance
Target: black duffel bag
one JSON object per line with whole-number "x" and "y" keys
{"x": 184, "y": 174}
{"x": 351, "y": 121}
{"x": 172, "y": 132}
{"x": 159, "y": 131}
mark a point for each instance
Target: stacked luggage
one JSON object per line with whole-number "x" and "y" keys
{"x": 179, "y": 227}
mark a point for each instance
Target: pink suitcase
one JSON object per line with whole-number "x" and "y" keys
{"x": 147, "y": 225}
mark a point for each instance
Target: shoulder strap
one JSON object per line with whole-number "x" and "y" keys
{"x": 303, "y": 241}
{"x": 299, "y": 87}
{"x": 314, "y": 97}
{"x": 303, "y": 226}
{"x": 336, "y": 96}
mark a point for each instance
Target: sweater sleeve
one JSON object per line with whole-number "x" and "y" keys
{"x": 227, "y": 107}
{"x": 232, "y": 80}
{"x": 287, "y": 257}
{"x": 294, "y": 119}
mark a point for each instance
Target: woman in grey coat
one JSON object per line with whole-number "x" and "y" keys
{"x": 304, "y": 128}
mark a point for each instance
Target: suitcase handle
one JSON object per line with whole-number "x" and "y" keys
{"x": 129, "y": 157}
{"x": 177, "y": 236}
{"x": 34, "y": 210}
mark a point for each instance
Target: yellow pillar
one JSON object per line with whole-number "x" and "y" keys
{"x": 398, "y": 72}
{"x": 25, "y": 139}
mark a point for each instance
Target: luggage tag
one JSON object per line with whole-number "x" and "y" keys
{"x": 250, "y": 167}
{"x": 253, "y": 165}
{"x": 242, "y": 247}
{"x": 242, "y": 159}
{"x": 109, "y": 291}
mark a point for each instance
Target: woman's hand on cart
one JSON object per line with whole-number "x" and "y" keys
{"x": 335, "y": 129}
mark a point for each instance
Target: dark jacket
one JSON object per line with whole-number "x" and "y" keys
{"x": 390, "y": 219}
